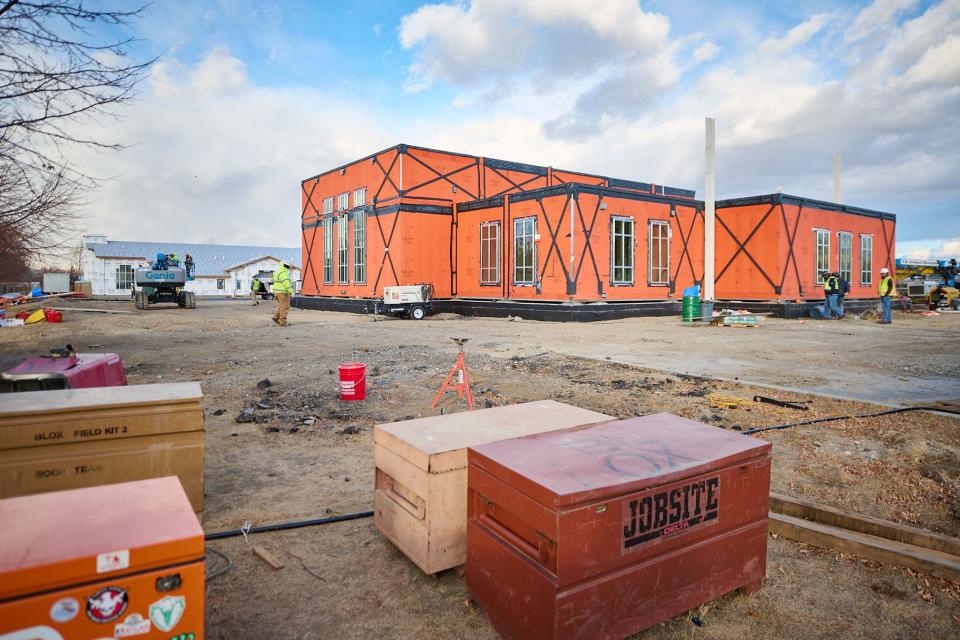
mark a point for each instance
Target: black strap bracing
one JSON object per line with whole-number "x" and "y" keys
{"x": 515, "y": 185}
{"x": 685, "y": 253}
{"x": 553, "y": 239}
{"x": 742, "y": 247}
{"x": 386, "y": 251}
{"x": 309, "y": 262}
{"x": 791, "y": 254}
{"x": 587, "y": 235}
{"x": 441, "y": 176}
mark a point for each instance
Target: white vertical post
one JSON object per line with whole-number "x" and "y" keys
{"x": 710, "y": 209}
{"x": 573, "y": 213}
{"x": 837, "y": 159}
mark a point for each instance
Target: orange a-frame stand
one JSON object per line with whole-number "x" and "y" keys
{"x": 463, "y": 378}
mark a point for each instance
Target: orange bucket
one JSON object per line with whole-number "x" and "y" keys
{"x": 353, "y": 381}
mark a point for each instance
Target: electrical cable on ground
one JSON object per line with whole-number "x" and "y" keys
{"x": 835, "y": 418}
{"x": 223, "y": 564}
{"x": 281, "y": 526}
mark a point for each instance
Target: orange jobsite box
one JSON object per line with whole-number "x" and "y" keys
{"x": 116, "y": 561}
{"x": 605, "y": 530}
{"x": 420, "y": 498}
{"x": 71, "y": 438}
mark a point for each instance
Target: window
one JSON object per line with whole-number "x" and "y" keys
{"x": 343, "y": 202}
{"x": 328, "y": 251}
{"x": 221, "y": 284}
{"x": 845, "y": 258}
{"x": 658, "y": 252}
{"x": 866, "y": 259}
{"x": 328, "y": 205}
{"x": 524, "y": 251}
{"x": 359, "y": 247}
{"x": 124, "y": 276}
{"x": 489, "y": 253}
{"x": 823, "y": 254}
{"x": 621, "y": 250}
{"x": 343, "y": 250}
{"x": 360, "y": 197}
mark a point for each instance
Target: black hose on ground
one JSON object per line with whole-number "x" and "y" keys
{"x": 297, "y": 524}
{"x": 834, "y": 418}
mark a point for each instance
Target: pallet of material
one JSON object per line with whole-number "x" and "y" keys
{"x": 72, "y": 438}
{"x": 867, "y": 537}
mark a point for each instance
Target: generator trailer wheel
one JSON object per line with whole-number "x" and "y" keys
{"x": 416, "y": 312}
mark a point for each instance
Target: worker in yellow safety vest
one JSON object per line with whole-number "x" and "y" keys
{"x": 887, "y": 289}
{"x": 282, "y": 290}
{"x": 831, "y": 291}
{"x": 255, "y": 289}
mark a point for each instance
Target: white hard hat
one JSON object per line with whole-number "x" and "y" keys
{"x": 884, "y": 270}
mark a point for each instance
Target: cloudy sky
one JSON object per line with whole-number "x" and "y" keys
{"x": 249, "y": 97}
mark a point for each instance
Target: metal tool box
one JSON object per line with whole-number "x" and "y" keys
{"x": 115, "y": 561}
{"x": 420, "y": 499}
{"x": 605, "y": 530}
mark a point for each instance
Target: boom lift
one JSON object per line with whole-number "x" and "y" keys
{"x": 929, "y": 282}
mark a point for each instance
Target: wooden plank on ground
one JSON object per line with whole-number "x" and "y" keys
{"x": 863, "y": 545}
{"x": 800, "y": 508}
{"x": 267, "y": 557}
{"x": 91, "y": 310}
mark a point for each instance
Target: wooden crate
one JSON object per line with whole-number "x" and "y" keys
{"x": 56, "y": 440}
{"x": 421, "y": 473}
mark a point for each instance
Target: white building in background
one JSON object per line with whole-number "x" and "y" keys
{"x": 219, "y": 269}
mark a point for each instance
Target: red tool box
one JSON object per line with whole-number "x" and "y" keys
{"x": 112, "y": 561}
{"x": 604, "y": 530}
{"x": 65, "y": 369}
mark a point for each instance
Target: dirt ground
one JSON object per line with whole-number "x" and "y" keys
{"x": 310, "y": 455}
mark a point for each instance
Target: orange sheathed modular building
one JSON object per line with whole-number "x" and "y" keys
{"x": 578, "y": 241}
{"x": 774, "y": 247}
{"x": 411, "y": 215}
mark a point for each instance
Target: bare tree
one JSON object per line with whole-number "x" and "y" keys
{"x": 60, "y": 79}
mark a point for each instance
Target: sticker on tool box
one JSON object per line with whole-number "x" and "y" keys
{"x": 167, "y": 611}
{"x": 134, "y": 625}
{"x": 113, "y": 561}
{"x": 64, "y": 610}
{"x": 107, "y": 604}
{"x": 661, "y": 513}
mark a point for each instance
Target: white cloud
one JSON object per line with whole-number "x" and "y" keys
{"x": 498, "y": 48}
{"x": 877, "y": 17}
{"x": 800, "y": 34}
{"x": 214, "y": 156}
{"x": 705, "y": 52}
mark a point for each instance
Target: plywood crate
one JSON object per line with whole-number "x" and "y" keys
{"x": 421, "y": 473}
{"x": 56, "y": 440}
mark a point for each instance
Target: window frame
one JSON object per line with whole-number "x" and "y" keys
{"x": 868, "y": 271}
{"x": 817, "y": 254}
{"x": 343, "y": 249}
{"x": 527, "y": 238}
{"x": 362, "y": 200}
{"x": 651, "y": 282}
{"x": 495, "y": 281}
{"x": 327, "y": 206}
{"x": 328, "y": 250}
{"x": 360, "y": 247}
{"x": 128, "y": 271}
{"x": 632, "y": 268}
{"x": 221, "y": 284}
{"x": 343, "y": 201}
{"x": 848, "y": 236}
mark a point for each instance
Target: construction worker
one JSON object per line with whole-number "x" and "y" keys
{"x": 188, "y": 265}
{"x": 843, "y": 288}
{"x": 282, "y": 289}
{"x": 255, "y": 286}
{"x": 831, "y": 290}
{"x": 887, "y": 288}
{"x": 174, "y": 260}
